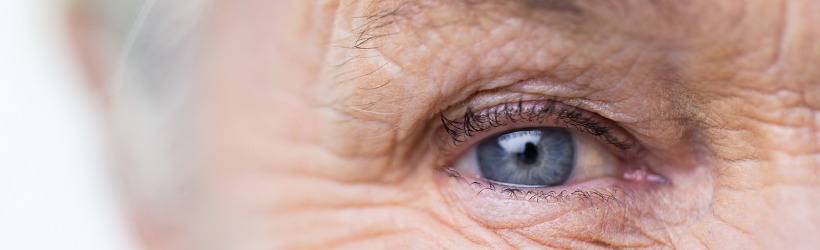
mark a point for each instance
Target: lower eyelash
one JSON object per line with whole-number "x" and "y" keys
{"x": 605, "y": 213}
{"x": 603, "y": 196}
{"x": 537, "y": 111}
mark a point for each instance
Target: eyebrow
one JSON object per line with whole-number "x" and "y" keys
{"x": 381, "y": 15}
{"x": 563, "y": 6}
{"x": 388, "y": 8}
{"x": 377, "y": 20}
{"x": 384, "y": 18}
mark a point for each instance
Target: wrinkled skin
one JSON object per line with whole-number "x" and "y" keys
{"x": 321, "y": 123}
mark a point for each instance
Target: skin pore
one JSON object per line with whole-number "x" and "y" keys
{"x": 321, "y": 124}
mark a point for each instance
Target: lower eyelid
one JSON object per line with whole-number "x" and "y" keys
{"x": 506, "y": 207}
{"x": 591, "y": 207}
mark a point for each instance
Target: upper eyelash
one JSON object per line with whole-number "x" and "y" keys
{"x": 539, "y": 111}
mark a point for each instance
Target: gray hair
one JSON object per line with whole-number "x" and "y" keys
{"x": 149, "y": 47}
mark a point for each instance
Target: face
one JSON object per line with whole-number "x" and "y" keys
{"x": 506, "y": 124}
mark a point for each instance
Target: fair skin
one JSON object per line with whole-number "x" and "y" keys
{"x": 321, "y": 124}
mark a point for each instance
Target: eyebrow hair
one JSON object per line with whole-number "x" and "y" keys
{"x": 374, "y": 21}
{"x": 382, "y": 14}
{"x": 564, "y": 6}
{"x": 381, "y": 19}
{"x": 553, "y": 6}
{"x": 378, "y": 18}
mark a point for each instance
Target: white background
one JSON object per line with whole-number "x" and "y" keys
{"x": 54, "y": 193}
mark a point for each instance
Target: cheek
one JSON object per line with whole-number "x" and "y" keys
{"x": 297, "y": 194}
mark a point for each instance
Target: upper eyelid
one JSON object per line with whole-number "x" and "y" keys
{"x": 449, "y": 150}
{"x": 535, "y": 111}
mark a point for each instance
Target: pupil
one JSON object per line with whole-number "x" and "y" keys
{"x": 530, "y": 154}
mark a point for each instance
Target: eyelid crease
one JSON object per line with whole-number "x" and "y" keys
{"x": 541, "y": 111}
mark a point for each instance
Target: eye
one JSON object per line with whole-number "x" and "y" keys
{"x": 538, "y": 157}
{"x": 537, "y": 144}
{"x": 541, "y": 163}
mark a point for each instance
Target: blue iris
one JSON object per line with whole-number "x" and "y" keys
{"x": 529, "y": 157}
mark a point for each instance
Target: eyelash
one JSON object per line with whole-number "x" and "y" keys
{"x": 536, "y": 111}
{"x": 601, "y": 196}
